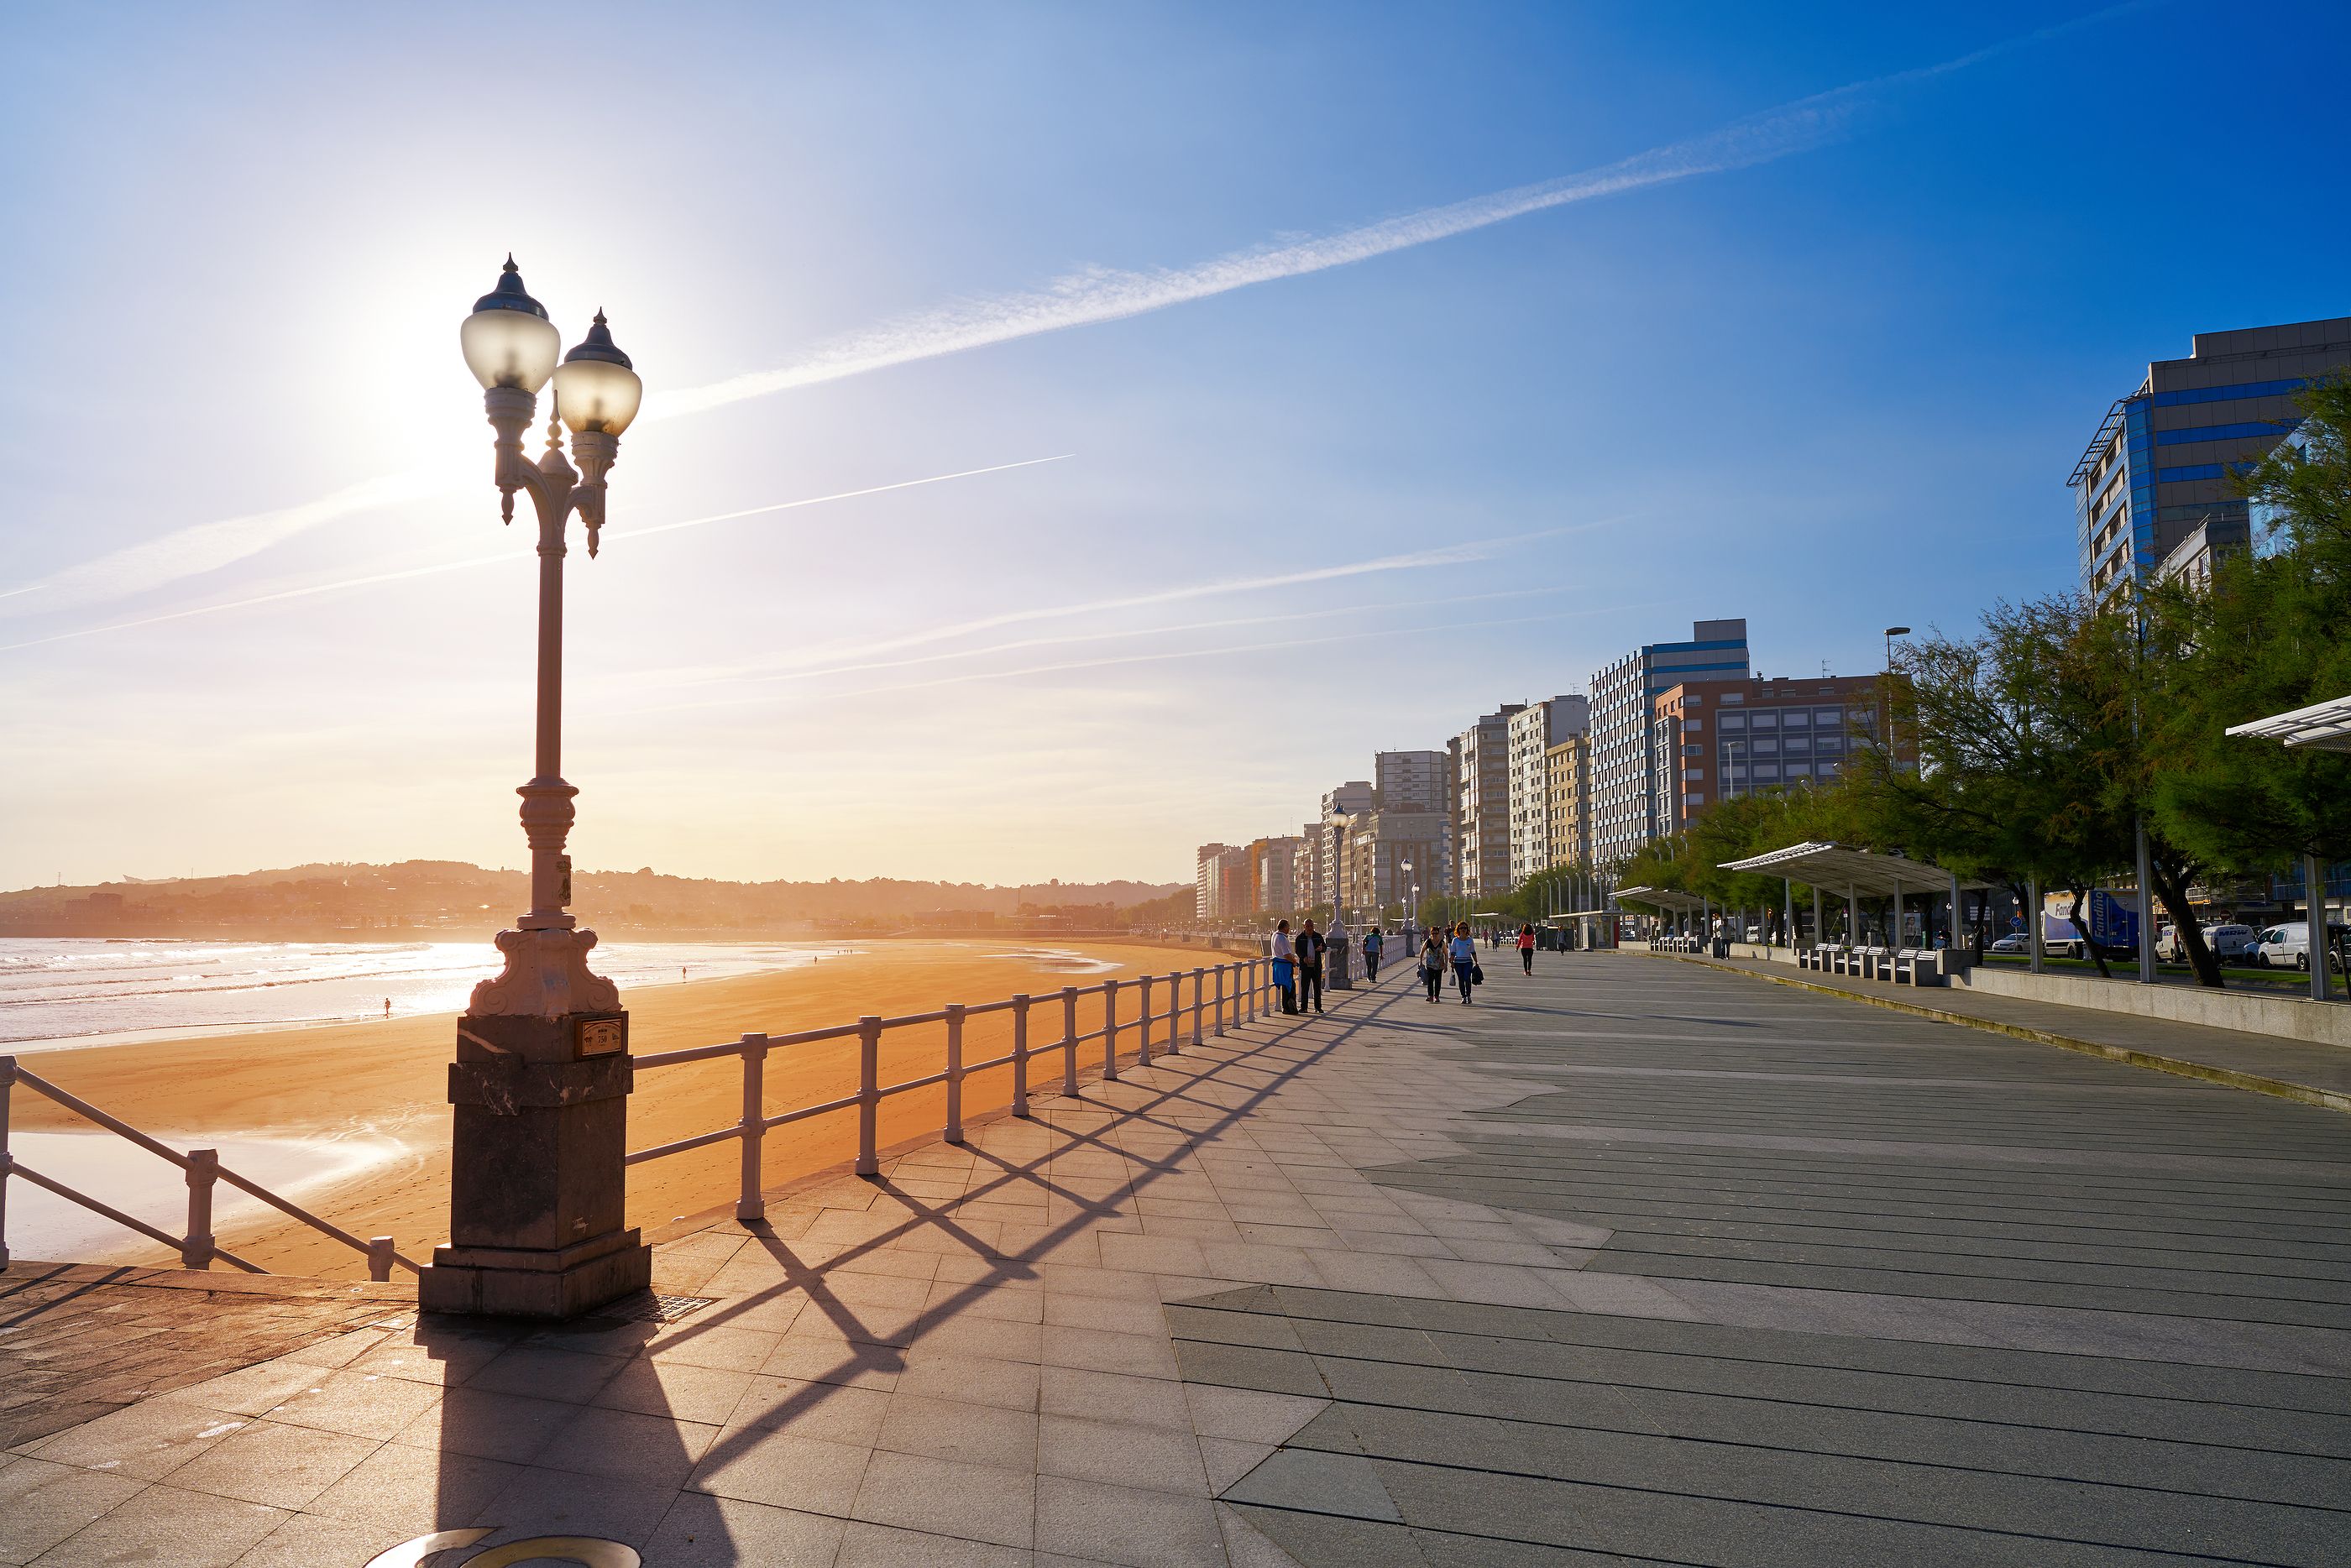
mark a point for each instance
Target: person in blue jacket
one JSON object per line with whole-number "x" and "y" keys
{"x": 1285, "y": 967}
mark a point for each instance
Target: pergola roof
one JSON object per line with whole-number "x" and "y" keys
{"x": 2322, "y": 726}
{"x": 1662, "y": 897}
{"x": 1579, "y": 915}
{"x": 1833, "y": 866}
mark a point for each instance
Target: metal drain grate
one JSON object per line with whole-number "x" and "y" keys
{"x": 651, "y": 1308}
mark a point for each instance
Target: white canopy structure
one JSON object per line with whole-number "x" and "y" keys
{"x": 1664, "y": 898}
{"x": 1835, "y": 866}
{"x": 2322, "y": 726}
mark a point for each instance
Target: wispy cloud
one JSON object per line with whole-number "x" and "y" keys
{"x": 370, "y": 579}
{"x": 1108, "y": 662}
{"x": 1079, "y": 299}
{"x": 768, "y": 674}
{"x": 1462, "y": 554}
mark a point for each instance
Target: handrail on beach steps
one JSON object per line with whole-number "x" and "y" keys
{"x": 1241, "y": 990}
{"x": 197, "y": 1249}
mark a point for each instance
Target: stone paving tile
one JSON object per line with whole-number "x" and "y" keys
{"x": 1597, "y": 1272}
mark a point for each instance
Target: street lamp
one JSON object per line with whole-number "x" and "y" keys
{"x": 537, "y": 1206}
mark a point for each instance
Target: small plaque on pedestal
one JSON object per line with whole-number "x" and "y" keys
{"x": 601, "y": 1037}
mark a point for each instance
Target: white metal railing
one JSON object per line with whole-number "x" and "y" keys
{"x": 1222, "y": 995}
{"x": 203, "y": 1170}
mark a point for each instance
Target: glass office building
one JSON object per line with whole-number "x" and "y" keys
{"x": 2159, "y": 467}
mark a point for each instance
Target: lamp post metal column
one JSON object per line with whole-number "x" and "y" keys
{"x": 540, "y": 1084}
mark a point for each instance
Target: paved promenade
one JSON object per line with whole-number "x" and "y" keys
{"x": 1633, "y": 1262}
{"x": 2296, "y": 1069}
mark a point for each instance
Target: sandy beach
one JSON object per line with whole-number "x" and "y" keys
{"x": 384, "y": 1085}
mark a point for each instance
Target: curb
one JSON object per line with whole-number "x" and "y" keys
{"x": 2228, "y": 1078}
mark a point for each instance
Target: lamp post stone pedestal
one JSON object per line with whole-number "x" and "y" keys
{"x": 541, "y": 1087}
{"x": 538, "y": 1198}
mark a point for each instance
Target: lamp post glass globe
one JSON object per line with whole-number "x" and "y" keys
{"x": 507, "y": 340}
{"x": 595, "y": 387}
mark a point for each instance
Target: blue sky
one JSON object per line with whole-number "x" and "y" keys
{"x": 1830, "y": 374}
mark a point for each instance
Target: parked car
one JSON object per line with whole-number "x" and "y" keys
{"x": 2014, "y": 942}
{"x": 2287, "y": 946}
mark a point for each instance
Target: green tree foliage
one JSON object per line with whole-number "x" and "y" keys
{"x": 2269, "y": 635}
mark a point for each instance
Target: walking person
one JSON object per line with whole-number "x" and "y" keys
{"x": 1464, "y": 960}
{"x": 1374, "y": 945}
{"x": 1527, "y": 949}
{"x": 1285, "y": 967}
{"x": 1311, "y": 949}
{"x": 1432, "y": 962}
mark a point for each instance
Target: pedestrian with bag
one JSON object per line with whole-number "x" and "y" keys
{"x": 1311, "y": 949}
{"x": 1432, "y": 962}
{"x": 1285, "y": 967}
{"x": 1466, "y": 970}
{"x": 1527, "y": 947}
{"x": 1374, "y": 945}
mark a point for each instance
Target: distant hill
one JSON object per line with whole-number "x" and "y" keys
{"x": 362, "y": 902}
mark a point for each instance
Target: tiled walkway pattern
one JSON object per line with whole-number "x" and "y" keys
{"x": 1630, "y": 1264}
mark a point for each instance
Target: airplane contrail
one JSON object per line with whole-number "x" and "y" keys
{"x": 766, "y": 674}
{"x": 1160, "y": 658}
{"x": 1442, "y": 556}
{"x": 1082, "y": 298}
{"x": 403, "y": 574}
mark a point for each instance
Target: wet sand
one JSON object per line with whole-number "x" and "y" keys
{"x": 390, "y": 1080}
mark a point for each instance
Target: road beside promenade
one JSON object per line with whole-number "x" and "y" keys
{"x": 1631, "y": 1262}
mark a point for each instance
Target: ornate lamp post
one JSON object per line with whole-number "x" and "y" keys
{"x": 541, "y": 1079}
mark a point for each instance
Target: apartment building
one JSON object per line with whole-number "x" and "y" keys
{"x": 1273, "y": 875}
{"x": 1203, "y": 892}
{"x": 1717, "y": 739}
{"x": 1624, "y": 809}
{"x": 1533, "y": 731}
{"x": 1567, "y": 801}
{"x": 2158, "y": 467}
{"x": 1410, "y": 780}
{"x": 1481, "y": 854}
{"x": 1382, "y": 856}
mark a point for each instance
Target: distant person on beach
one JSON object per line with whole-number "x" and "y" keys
{"x": 1464, "y": 960}
{"x": 1374, "y": 945}
{"x": 1285, "y": 967}
{"x": 1311, "y": 949}
{"x": 1432, "y": 962}
{"x": 387, "y": 1007}
{"x": 1527, "y": 947}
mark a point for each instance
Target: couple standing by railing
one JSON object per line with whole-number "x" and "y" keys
{"x": 1300, "y": 961}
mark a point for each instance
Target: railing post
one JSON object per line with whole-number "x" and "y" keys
{"x": 954, "y": 1072}
{"x": 1070, "y": 1041}
{"x": 7, "y": 1160}
{"x": 749, "y": 1203}
{"x": 1110, "y": 1032}
{"x": 380, "y": 1251}
{"x": 1257, "y": 980}
{"x": 204, "y": 1171}
{"x": 869, "y": 1093}
{"x": 1174, "y": 1010}
{"x": 1200, "y": 997}
{"x": 1220, "y": 998}
{"x": 1142, "y": 1051}
{"x": 1021, "y": 1054}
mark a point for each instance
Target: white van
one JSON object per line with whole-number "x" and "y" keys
{"x": 2226, "y": 942}
{"x": 2288, "y": 947}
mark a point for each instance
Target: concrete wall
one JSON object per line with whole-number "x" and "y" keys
{"x": 2286, "y": 1017}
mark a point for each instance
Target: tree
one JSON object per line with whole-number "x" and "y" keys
{"x": 2032, "y": 759}
{"x": 2266, "y": 637}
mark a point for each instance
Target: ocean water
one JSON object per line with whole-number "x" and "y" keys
{"x": 56, "y": 994}
{"x": 118, "y": 1172}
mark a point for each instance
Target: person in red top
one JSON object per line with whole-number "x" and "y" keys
{"x": 1527, "y": 949}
